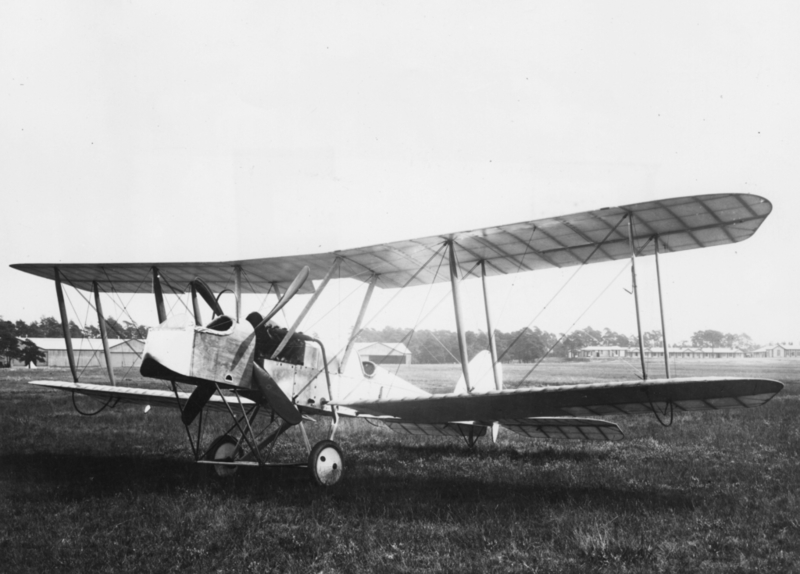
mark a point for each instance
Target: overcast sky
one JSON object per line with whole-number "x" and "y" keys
{"x": 196, "y": 131}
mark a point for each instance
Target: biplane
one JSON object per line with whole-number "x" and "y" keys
{"x": 257, "y": 371}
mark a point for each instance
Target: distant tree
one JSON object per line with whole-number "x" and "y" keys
{"x": 577, "y": 340}
{"x": 743, "y": 341}
{"x": 134, "y": 331}
{"x": 740, "y": 341}
{"x": 115, "y": 329}
{"x": 476, "y": 342}
{"x": 707, "y": 338}
{"x": 653, "y": 338}
{"x": 9, "y": 344}
{"x": 47, "y": 327}
{"x": 613, "y": 339}
{"x": 30, "y": 353}
{"x": 125, "y": 330}
{"x": 22, "y": 328}
{"x": 91, "y": 332}
{"x": 74, "y": 331}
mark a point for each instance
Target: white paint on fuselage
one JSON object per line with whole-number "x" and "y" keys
{"x": 308, "y": 386}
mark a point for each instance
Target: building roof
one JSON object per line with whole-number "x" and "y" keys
{"x": 728, "y": 350}
{"x": 382, "y": 349}
{"x": 604, "y": 348}
{"x": 78, "y": 344}
{"x": 785, "y": 346}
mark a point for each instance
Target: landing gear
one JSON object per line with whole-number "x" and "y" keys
{"x": 222, "y": 449}
{"x": 326, "y": 463}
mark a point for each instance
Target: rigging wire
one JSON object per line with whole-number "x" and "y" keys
{"x": 563, "y": 335}
{"x": 253, "y": 289}
{"x": 176, "y": 293}
{"x": 121, "y": 303}
{"x": 98, "y": 411}
{"x": 116, "y": 332}
{"x": 421, "y": 309}
{"x": 563, "y": 286}
{"x": 519, "y": 269}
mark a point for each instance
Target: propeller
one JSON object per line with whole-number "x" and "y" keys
{"x": 208, "y": 296}
{"x": 278, "y": 401}
{"x": 276, "y": 398}
{"x": 290, "y": 292}
{"x": 197, "y": 400}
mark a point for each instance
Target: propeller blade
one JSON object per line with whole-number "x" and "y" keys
{"x": 197, "y": 400}
{"x": 207, "y": 295}
{"x": 290, "y": 292}
{"x": 276, "y": 398}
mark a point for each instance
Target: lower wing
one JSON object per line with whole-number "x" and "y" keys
{"x": 626, "y": 398}
{"x": 150, "y": 397}
{"x": 572, "y": 428}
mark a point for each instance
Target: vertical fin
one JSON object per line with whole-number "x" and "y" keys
{"x": 481, "y": 375}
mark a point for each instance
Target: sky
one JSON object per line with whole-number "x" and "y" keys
{"x": 152, "y": 131}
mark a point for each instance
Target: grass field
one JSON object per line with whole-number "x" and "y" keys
{"x": 118, "y": 492}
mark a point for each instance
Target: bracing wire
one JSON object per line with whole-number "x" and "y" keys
{"x": 563, "y": 335}
{"x": 563, "y": 286}
{"x": 98, "y": 411}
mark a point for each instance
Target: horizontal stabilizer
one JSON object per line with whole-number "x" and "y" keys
{"x": 571, "y": 428}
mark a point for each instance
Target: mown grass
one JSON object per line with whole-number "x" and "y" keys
{"x": 717, "y": 492}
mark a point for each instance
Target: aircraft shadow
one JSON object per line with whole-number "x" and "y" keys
{"x": 77, "y": 477}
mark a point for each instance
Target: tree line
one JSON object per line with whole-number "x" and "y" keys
{"x": 426, "y": 346}
{"x": 530, "y": 345}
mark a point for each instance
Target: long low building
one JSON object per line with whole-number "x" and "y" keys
{"x": 88, "y": 352}
{"x": 601, "y": 352}
{"x": 778, "y": 350}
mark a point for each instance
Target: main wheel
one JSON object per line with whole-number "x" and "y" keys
{"x": 326, "y": 463}
{"x": 222, "y": 449}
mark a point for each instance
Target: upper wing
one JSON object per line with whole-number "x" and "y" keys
{"x": 150, "y": 397}
{"x": 690, "y": 394}
{"x": 590, "y": 237}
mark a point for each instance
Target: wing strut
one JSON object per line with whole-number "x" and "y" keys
{"x": 160, "y": 309}
{"x": 661, "y": 309}
{"x": 455, "y": 280}
{"x": 62, "y": 308}
{"x": 103, "y": 333}
{"x": 357, "y": 327}
{"x": 636, "y": 295}
{"x": 198, "y": 317}
{"x": 307, "y": 308}
{"x": 237, "y": 290}
{"x": 498, "y": 379}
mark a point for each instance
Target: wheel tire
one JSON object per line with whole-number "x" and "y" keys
{"x": 222, "y": 449}
{"x": 326, "y": 463}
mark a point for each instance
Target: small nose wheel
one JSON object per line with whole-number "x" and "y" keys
{"x": 222, "y": 449}
{"x": 326, "y": 463}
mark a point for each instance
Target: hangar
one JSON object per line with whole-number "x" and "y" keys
{"x": 384, "y": 353}
{"x": 88, "y": 352}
